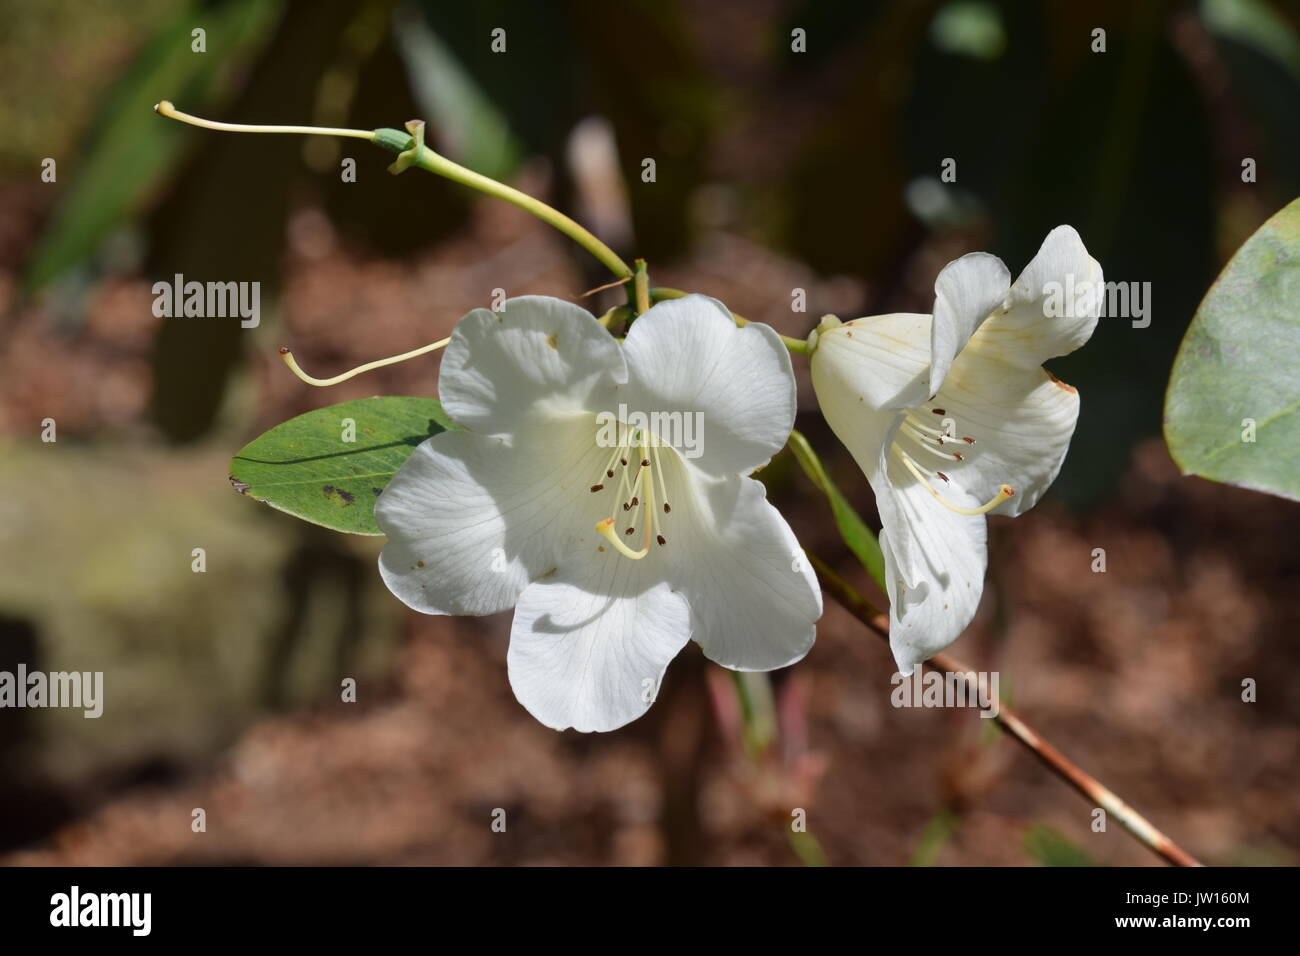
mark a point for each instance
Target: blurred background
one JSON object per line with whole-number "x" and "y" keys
{"x": 797, "y": 146}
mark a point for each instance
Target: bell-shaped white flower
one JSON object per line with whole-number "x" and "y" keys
{"x": 951, "y": 417}
{"x": 601, "y": 490}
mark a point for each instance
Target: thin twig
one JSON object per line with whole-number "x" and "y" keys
{"x": 607, "y": 285}
{"x": 1091, "y": 788}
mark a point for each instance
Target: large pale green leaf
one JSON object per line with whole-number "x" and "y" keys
{"x": 306, "y": 468}
{"x": 1238, "y": 370}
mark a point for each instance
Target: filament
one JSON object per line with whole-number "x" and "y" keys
{"x": 165, "y": 108}
{"x": 663, "y": 483}
{"x": 294, "y": 367}
{"x": 637, "y": 493}
{"x": 1005, "y": 492}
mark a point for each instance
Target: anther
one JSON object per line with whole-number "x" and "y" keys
{"x": 938, "y": 411}
{"x": 663, "y": 481}
{"x": 597, "y": 487}
{"x": 636, "y": 492}
{"x": 958, "y": 456}
{"x": 942, "y": 475}
{"x": 968, "y": 440}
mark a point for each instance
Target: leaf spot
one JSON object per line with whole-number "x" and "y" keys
{"x": 345, "y": 496}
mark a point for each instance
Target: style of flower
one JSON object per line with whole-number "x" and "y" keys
{"x": 950, "y": 416}
{"x": 577, "y": 494}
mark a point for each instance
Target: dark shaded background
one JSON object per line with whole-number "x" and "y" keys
{"x": 776, "y": 170}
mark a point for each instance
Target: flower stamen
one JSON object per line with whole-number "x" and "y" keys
{"x": 950, "y": 455}
{"x": 609, "y": 465}
{"x": 663, "y": 485}
{"x": 1005, "y": 492}
{"x": 636, "y": 492}
{"x": 925, "y": 432}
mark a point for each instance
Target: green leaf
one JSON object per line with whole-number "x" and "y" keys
{"x": 305, "y": 467}
{"x": 1236, "y": 369}
{"x": 936, "y": 835}
{"x": 132, "y": 150}
{"x": 1255, "y": 24}
{"x": 1051, "y": 848}
{"x": 852, "y": 528}
{"x": 471, "y": 130}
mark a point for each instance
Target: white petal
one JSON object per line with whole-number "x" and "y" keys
{"x": 856, "y": 383}
{"x": 687, "y": 356}
{"x": 590, "y": 643}
{"x": 754, "y": 599}
{"x": 925, "y": 621}
{"x": 1052, "y": 308}
{"x": 471, "y": 519}
{"x": 934, "y": 564}
{"x": 934, "y": 558}
{"x": 1022, "y": 420}
{"x": 965, "y": 292}
{"x": 539, "y": 358}
{"x": 881, "y": 361}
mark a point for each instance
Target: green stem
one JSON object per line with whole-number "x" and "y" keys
{"x": 757, "y": 711}
{"x": 758, "y": 731}
{"x": 398, "y": 142}
{"x": 797, "y": 346}
{"x": 853, "y": 530}
{"x": 641, "y": 288}
{"x": 616, "y": 315}
{"x": 808, "y": 460}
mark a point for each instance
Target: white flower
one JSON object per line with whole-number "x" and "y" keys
{"x": 613, "y": 553}
{"x": 951, "y": 416}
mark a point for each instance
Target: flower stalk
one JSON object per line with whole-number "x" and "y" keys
{"x": 412, "y": 152}
{"x": 426, "y": 159}
{"x": 1092, "y": 789}
{"x": 641, "y": 287}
